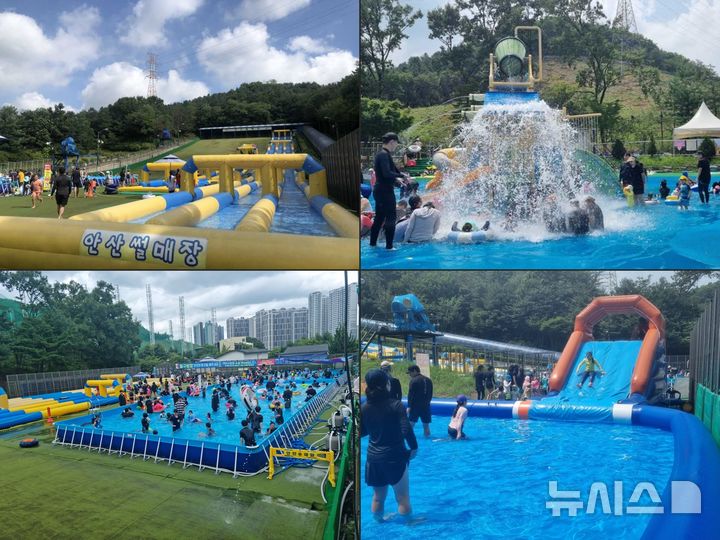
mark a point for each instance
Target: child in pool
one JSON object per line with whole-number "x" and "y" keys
{"x": 455, "y": 428}
{"x": 191, "y": 418}
{"x": 684, "y": 203}
{"x": 210, "y": 430}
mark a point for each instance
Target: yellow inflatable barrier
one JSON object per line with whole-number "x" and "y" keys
{"x": 66, "y": 408}
{"x": 40, "y": 405}
{"x": 135, "y": 209}
{"x": 96, "y": 245}
{"x": 191, "y": 214}
{"x": 120, "y": 377}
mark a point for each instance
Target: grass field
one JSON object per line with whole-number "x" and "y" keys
{"x": 57, "y": 492}
{"x": 21, "y": 206}
{"x": 446, "y": 383}
{"x": 222, "y": 146}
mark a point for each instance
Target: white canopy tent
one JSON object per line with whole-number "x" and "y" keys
{"x": 703, "y": 124}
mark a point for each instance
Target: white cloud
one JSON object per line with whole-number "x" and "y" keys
{"x": 146, "y": 26}
{"x": 244, "y": 54}
{"x": 690, "y": 28}
{"x": 30, "y": 101}
{"x": 31, "y": 58}
{"x": 308, "y": 44}
{"x": 269, "y": 10}
{"x": 109, "y": 83}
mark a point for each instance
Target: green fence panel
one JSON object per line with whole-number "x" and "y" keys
{"x": 709, "y": 401}
{"x": 716, "y": 420}
{"x": 699, "y": 401}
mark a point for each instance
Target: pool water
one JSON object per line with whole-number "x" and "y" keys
{"x": 495, "y": 485}
{"x": 294, "y": 215}
{"x": 226, "y": 431}
{"x": 654, "y": 237}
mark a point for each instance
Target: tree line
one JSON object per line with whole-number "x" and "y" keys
{"x": 135, "y": 123}
{"x": 576, "y": 32}
{"x": 537, "y": 308}
{"x": 65, "y": 327}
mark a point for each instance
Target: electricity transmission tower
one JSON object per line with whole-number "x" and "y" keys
{"x": 151, "y": 75}
{"x": 625, "y": 17}
{"x": 151, "y": 322}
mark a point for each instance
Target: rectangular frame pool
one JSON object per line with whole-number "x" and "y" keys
{"x": 218, "y": 456}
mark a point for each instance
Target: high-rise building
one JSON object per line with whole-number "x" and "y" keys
{"x": 198, "y": 334}
{"x": 324, "y": 322}
{"x": 336, "y": 309}
{"x": 315, "y": 314}
{"x": 239, "y": 327}
{"x": 212, "y": 333}
{"x": 278, "y": 327}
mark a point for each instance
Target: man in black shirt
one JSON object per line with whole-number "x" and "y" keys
{"x": 480, "y": 381}
{"x": 77, "y": 181}
{"x": 395, "y": 387}
{"x": 420, "y": 393}
{"x": 703, "y": 178}
{"x": 247, "y": 434}
{"x": 61, "y": 185}
{"x": 287, "y": 396}
{"x": 386, "y": 177}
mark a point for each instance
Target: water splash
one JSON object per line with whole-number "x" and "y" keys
{"x": 516, "y": 167}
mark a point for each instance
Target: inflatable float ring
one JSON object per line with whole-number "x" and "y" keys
{"x": 474, "y": 237}
{"x": 29, "y": 443}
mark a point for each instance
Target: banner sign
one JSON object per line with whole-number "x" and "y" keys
{"x": 174, "y": 251}
{"x": 228, "y": 364}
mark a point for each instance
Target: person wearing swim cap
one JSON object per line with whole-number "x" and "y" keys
{"x": 455, "y": 429}
{"x": 384, "y": 420}
{"x": 387, "y": 176}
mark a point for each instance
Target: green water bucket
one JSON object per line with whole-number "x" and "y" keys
{"x": 510, "y": 55}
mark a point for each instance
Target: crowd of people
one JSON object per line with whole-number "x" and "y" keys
{"x": 231, "y": 398}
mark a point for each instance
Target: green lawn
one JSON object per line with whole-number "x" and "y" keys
{"x": 22, "y": 206}
{"x": 59, "y": 492}
{"x": 446, "y": 383}
{"x": 221, "y": 146}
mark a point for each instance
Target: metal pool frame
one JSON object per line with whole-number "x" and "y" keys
{"x": 219, "y": 457}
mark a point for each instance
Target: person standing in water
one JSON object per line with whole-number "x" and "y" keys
{"x": 703, "y": 178}
{"x": 420, "y": 393}
{"x": 387, "y": 177}
{"x": 589, "y": 363}
{"x": 384, "y": 420}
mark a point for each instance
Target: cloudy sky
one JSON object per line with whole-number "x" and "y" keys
{"x": 687, "y": 27}
{"x": 232, "y": 294}
{"x": 89, "y": 53}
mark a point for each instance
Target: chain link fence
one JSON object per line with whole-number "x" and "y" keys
{"x": 31, "y": 384}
